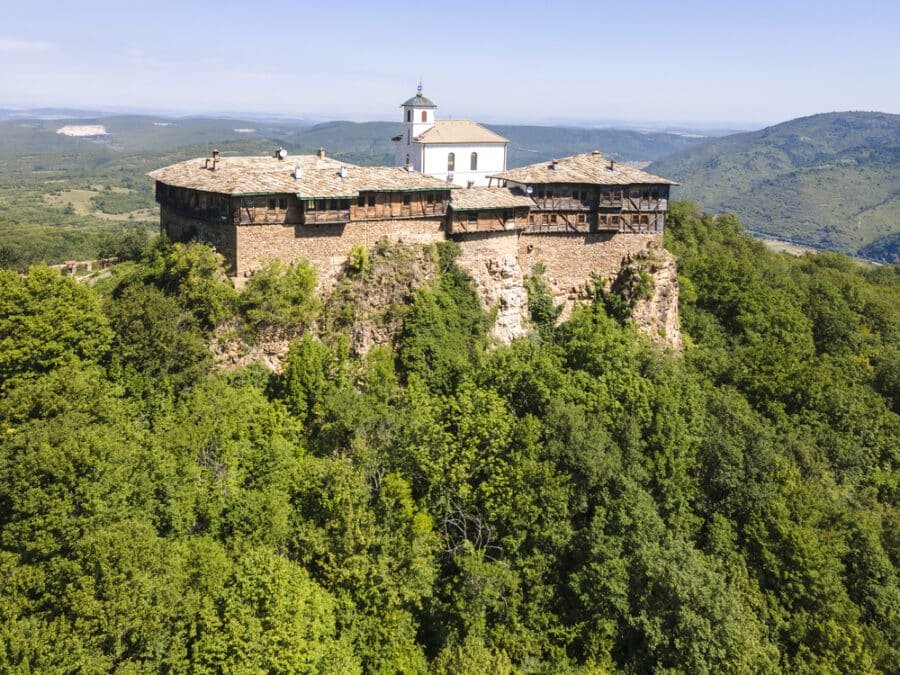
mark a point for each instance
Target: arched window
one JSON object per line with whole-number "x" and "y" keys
{"x": 409, "y": 115}
{"x": 473, "y": 162}
{"x": 424, "y": 115}
{"x": 451, "y": 161}
{"x": 407, "y": 160}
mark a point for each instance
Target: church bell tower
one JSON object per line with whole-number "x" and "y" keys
{"x": 418, "y": 117}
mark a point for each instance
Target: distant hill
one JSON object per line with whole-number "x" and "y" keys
{"x": 364, "y": 143}
{"x": 830, "y": 180}
{"x": 528, "y": 144}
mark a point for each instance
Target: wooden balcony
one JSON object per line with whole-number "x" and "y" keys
{"x": 326, "y": 216}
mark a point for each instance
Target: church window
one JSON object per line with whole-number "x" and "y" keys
{"x": 451, "y": 161}
{"x": 407, "y": 159}
{"x": 424, "y": 115}
{"x": 473, "y": 162}
{"x": 409, "y": 115}
{"x": 407, "y": 136}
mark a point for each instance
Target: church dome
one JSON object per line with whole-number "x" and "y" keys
{"x": 418, "y": 101}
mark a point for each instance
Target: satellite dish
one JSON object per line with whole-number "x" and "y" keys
{"x": 281, "y": 154}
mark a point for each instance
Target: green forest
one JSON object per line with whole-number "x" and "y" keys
{"x": 578, "y": 501}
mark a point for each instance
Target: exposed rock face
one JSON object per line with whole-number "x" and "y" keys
{"x": 657, "y": 316}
{"x": 370, "y": 306}
{"x": 232, "y": 352}
{"x": 492, "y": 261}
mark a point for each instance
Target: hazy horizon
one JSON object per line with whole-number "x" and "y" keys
{"x": 63, "y": 111}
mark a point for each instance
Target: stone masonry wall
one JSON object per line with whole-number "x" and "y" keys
{"x": 498, "y": 261}
{"x": 569, "y": 259}
{"x": 325, "y": 246}
{"x": 181, "y": 228}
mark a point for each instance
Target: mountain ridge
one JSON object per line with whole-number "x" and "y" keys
{"x": 830, "y": 180}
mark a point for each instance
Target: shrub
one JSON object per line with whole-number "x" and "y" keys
{"x": 281, "y": 295}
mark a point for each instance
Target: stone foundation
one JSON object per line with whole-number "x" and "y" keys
{"x": 570, "y": 258}
{"x": 222, "y": 237}
{"x": 326, "y": 247}
{"x": 497, "y": 261}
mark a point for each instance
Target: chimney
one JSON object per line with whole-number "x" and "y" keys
{"x": 321, "y": 153}
{"x": 553, "y": 164}
{"x": 215, "y": 153}
{"x": 612, "y": 165}
{"x": 298, "y": 172}
{"x": 595, "y": 152}
{"x": 343, "y": 172}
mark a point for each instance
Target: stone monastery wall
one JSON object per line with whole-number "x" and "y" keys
{"x": 182, "y": 228}
{"x": 326, "y": 246}
{"x": 570, "y": 258}
{"x": 498, "y": 261}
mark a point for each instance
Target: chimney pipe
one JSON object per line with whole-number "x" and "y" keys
{"x": 321, "y": 153}
{"x": 612, "y": 165}
{"x": 553, "y": 164}
{"x": 215, "y": 153}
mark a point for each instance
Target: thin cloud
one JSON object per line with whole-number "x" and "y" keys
{"x": 19, "y": 46}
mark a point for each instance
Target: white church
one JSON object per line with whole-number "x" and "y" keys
{"x": 457, "y": 151}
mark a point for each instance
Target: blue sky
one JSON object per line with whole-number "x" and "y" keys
{"x": 685, "y": 62}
